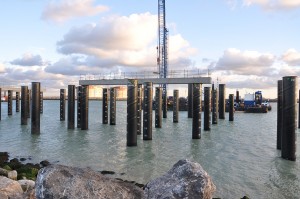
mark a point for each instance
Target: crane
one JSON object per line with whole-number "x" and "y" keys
{"x": 162, "y": 50}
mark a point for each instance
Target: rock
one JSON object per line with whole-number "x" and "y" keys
{"x": 27, "y": 172}
{"x": 57, "y": 181}
{"x": 14, "y": 160}
{"x": 22, "y": 159}
{"x": 15, "y": 164}
{"x": 12, "y": 175}
{"x": 245, "y": 197}
{"x": 3, "y": 157}
{"x": 107, "y": 172}
{"x": 10, "y": 188}
{"x": 185, "y": 180}
{"x": 45, "y": 163}
{"x": 30, "y": 195}
{"x": 7, "y": 168}
{"x": 27, "y": 185}
{"x": 3, "y": 196}
{"x": 3, "y": 172}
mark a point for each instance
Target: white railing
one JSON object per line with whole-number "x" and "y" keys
{"x": 144, "y": 75}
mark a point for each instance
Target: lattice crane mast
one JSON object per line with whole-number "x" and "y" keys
{"x": 162, "y": 48}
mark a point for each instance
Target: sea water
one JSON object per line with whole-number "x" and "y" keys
{"x": 240, "y": 156}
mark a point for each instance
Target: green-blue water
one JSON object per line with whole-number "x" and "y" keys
{"x": 240, "y": 156}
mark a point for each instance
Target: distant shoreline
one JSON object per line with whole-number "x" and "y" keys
{"x": 90, "y": 98}
{"x": 124, "y": 99}
{"x": 118, "y": 99}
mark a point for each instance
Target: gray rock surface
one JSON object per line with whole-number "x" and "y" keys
{"x": 57, "y": 181}
{"x": 27, "y": 185}
{"x": 3, "y": 196}
{"x": 12, "y": 175}
{"x": 9, "y": 188}
{"x": 185, "y": 180}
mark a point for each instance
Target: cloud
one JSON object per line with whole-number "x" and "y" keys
{"x": 51, "y": 83}
{"x": 29, "y": 59}
{"x": 274, "y": 4}
{"x": 118, "y": 43}
{"x": 61, "y": 11}
{"x": 2, "y": 68}
{"x": 130, "y": 33}
{"x": 288, "y": 70}
{"x": 26, "y": 74}
{"x": 235, "y": 61}
{"x": 252, "y": 82}
{"x": 72, "y": 66}
{"x": 291, "y": 57}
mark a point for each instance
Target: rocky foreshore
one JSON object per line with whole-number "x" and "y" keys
{"x": 185, "y": 179}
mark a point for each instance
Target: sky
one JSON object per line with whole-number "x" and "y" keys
{"x": 246, "y": 44}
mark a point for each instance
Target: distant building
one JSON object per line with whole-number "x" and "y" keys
{"x": 95, "y": 91}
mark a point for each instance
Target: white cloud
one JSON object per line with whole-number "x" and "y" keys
{"x": 288, "y": 70}
{"x": 29, "y": 59}
{"x": 274, "y": 4}
{"x": 239, "y": 62}
{"x": 130, "y": 33}
{"x": 291, "y": 57}
{"x": 63, "y": 10}
{"x": 29, "y": 74}
{"x": 251, "y": 82}
{"x": 72, "y": 65}
{"x": 118, "y": 43}
{"x": 2, "y": 68}
{"x": 50, "y": 82}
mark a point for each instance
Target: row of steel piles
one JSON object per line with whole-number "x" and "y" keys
{"x": 135, "y": 96}
{"x": 9, "y": 102}
{"x": 194, "y": 109}
{"x": 134, "y": 109}
{"x": 82, "y": 106}
{"x": 31, "y": 106}
{"x": 287, "y": 117}
{"x": 214, "y": 103}
{"x": 17, "y": 99}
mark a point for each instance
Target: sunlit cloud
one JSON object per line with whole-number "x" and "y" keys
{"x": 118, "y": 43}
{"x": 291, "y": 57}
{"x": 63, "y": 10}
{"x": 2, "y": 68}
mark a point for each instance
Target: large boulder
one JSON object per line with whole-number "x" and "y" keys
{"x": 9, "y": 188}
{"x": 185, "y": 180}
{"x": 57, "y": 181}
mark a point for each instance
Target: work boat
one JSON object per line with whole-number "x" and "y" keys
{"x": 253, "y": 103}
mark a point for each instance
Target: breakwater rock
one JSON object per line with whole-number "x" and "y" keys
{"x": 57, "y": 181}
{"x": 185, "y": 180}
